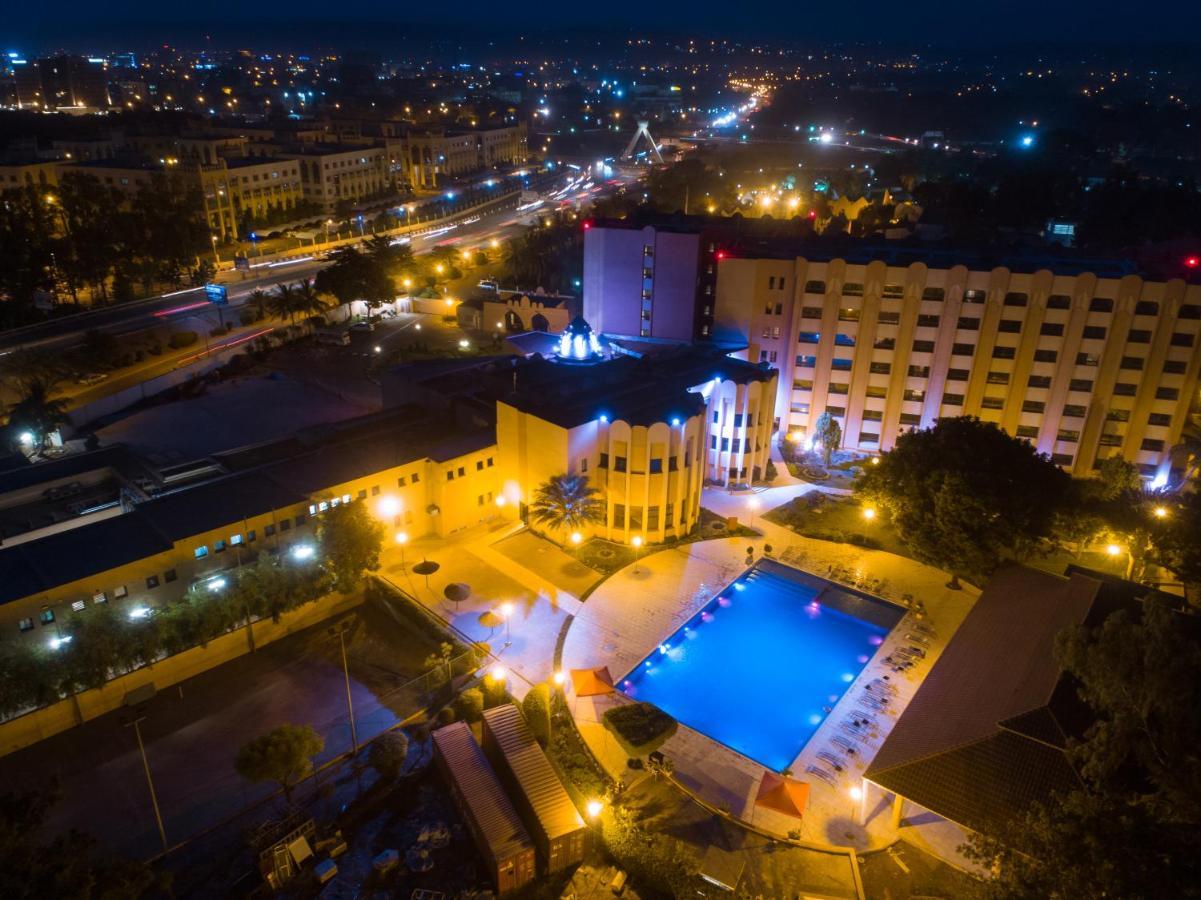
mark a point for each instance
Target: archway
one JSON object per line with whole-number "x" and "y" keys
{"x": 539, "y": 323}
{"x": 513, "y": 323}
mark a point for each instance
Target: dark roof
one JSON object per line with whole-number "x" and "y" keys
{"x": 780, "y": 239}
{"x": 985, "y": 735}
{"x": 213, "y": 504}
{"x": 32, "y": 474}
{"x": 67, "y": 556}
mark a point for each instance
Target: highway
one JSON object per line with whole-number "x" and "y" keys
{"x": 468, "y": 230}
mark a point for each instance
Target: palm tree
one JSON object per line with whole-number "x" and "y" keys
{"x": 567, "y": 502}
{"x": 306, "y": 299}
{"x": 282, "y": 303}
{"x": 37, "y": 413}
{"x": 258, "y": 297}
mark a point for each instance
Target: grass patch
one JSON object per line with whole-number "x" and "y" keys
{"x": 640, "y": 728}
{"x": 607, "y": 557}
{"x": 826, "y": 518}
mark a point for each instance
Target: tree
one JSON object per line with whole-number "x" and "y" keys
{"x": 69, "y": 866}
{"x": 37, "y": 414}
{"x": 828, "y": 433}
{"x": 1179, "y": 546}
{"x": 964, "y": 495}
{"x": 258, "y": 298}
{"x": 567, "y": 502}
{"x": 306, "y": 299}
{"x": 283, "y": 755}
{"x": 387, "y": 754}
{"x": 282, "y": 303}
{"x": 470, "y": 705}
{"x": 536, "y": 709}
{"x": 350, "y": 544}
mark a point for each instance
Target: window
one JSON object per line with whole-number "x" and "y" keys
{"x": 842, "y": 365}
{"x": 401, "y": 481}
{"x": 1152, "y": 444}
{"x": 1118, "y": 415}
{"x": 836, "y": 388}
{"x": 1033, "y": 406}
{"x": 170, "y": 576}
{"x": 1190, "y": 311}
{"x": 656, "y": 466}
{"x": 1132, "y": 362}
{"x": 815, "y": 287}
{"x": 285, "y": 525}
{"x": 363, "y": 494}
{"x": 998, "y": 378}
{"x": 893, "y": 291}
{"x": 151, "y": 582}
{"x": 952, "y": 399}
{"x": 479, "y": 465}
{"x": 1059, "y": 301}
{"x": 300, "y": 520}
{"x": 1122, "y": 389}
{"x": 1080, "y": 384}
{"x": 619, "y": 464}
{"x": 879, "y": 393}
{"x": 1167, "y": 393}
{"x": 235, "y": 540}
{"x": 873, "y": 415}
{"x": 934, "y": 293}
{"x": 973, "y": 296}
{"x": 880, "y": 368}
{"x": 957, "y": 374}
{"x": 603, "y": 461}
{"x": 201, "y": 552}
{"x": 910, "y": 419}
{"x": 969, "y": 323}
{"x": 852, "y": 289}
{"x": 806, "y": 361}
{"x": 1181, "y": 339}
{"x": 1087, "y": 359}
{"x": 25, "y": 624}
{"x": 1055, "y": 329}
{"x": 923, "y": 346}
{"x": 844, "y": 340}
{"x": 1048, "y": 356}
{"x": 919, "y": 371}
{"x": 1004, "y": 352}
{"x": 1027, "y": 431}
{"x": 963, "y": 349}
{"x": 47, "y": 616}
{"x": 811, "y": 312}
{"x": 809, "y": 337}
{"x": 927, "y": 321}
{"x": 219, "y": 546}
{"x": 848, "y": 314}
{"x": 771, "y": 282}
{"x": 1094, "y": 332}
{"x": 1016, "y": 298}
{"x": 889, "y": 318}
{"x": 1138, "y": 336}
{"x": 269, "y": 530}
{"x": 915, "y": 395}
{"x": 1067, "y": 435}
{"x": 450, "y": 474}
{"x": 416, "y": 478}
{"x": 1074, "y": 411}
{"x": 867, "y": 437}
{"x": 1159, "y": 419}
{"x": 1038, "y": 381}
{"x": 120, "y": 591}
{"x": 462, "y": 471}
{"x": 1146, "y": 308}
{"x": 1009, "y": 326}
{"x": 79, "y": 606}
{"x": 1100, "y": 304}
{"x": 1061, "y": 459}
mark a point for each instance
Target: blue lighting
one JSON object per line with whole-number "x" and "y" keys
{"x": 675, "y": 422}
{"x": 604, "y": 418}
{"x": 1027, "y": 140}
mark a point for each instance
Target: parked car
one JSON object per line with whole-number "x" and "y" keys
{"x": 489, "y": 284}
{"x": 91, "y": 378}
{"x": 363, "y": 326}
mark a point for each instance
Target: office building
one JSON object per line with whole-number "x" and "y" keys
{"x": 423, "y": 159}
{"x": 62, "y": 82}
{"x": 334, "y": 173}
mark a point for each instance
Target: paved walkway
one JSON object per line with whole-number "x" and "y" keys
{"x": 631, "y": 613}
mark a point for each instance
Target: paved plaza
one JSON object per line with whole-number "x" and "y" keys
{"x": 628, "y": 614}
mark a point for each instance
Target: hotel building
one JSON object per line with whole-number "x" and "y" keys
{"x": 1083, "y": 357}
{"x": 422, "y": 159}
{"x": 331, "y": 173}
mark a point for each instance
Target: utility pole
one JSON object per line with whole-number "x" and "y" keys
{"x": 158, "y": 816}
{"x": 354, "y": 738}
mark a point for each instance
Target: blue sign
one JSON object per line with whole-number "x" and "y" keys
{"x": 216, "y": 293}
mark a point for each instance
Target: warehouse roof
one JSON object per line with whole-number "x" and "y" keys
{"x": 489, "y": 805}
{"x": 539, "y": 781}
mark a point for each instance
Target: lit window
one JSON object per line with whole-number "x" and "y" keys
{"x": 201, "y": 552}
{"x": 120, "y": 591}
{"x": 79, "y": 605}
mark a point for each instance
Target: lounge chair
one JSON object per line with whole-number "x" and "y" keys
{"x": 831, "y": 759}
{"x": 846, "y": 745}
{"x": 824, "y": 774}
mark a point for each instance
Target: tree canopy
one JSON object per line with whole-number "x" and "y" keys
{"x": 284, "y": 755}
{"x": 964, "y": 495}
{"x": 567, "y": 502}
{"x": 351, "y": 540}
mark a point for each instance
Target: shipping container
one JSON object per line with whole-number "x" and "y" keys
{"x": 551, "y": 816}
{"x": 494, "y": 824}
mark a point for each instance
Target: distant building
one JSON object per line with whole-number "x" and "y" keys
{"x": 37, "y": 174}
{"x": 263, "y": 187}
{"x": 333, "y": 173}
{"x": 62, "y": 82}
{"x": 425, "y": 158}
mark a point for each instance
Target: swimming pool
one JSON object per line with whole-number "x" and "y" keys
{"x": 759, "y": 668}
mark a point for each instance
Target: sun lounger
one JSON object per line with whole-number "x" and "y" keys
{"x": 922, "y": 640}
{"x": 824, "y": 774}
{"x": 837, "y": 762}
{"x": 846, "y": 745}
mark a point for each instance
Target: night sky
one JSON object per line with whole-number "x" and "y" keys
{"x": 236, "y": 23}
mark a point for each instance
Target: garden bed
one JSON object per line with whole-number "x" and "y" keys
{"x": 826, "y": 518}
{"x": 640, "y": 728}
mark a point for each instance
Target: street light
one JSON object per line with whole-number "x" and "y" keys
{"x": 1113, "y": 550}
{"x": 402, "y": 538}
{"x": 559, "y": 678}
{"x": 636, "y": 543}
{"x": 595, "y": 808}
{"x": 216, "y": 255}
{"x": 576, "y": 538}
{"x": 868, "y": 513}
{"x": 752, "y": 504}
{"x": 506, "y": 610}
{"x": 1160, "y": 512}
{"x": 498, "y": 674}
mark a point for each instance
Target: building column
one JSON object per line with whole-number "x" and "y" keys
{"x": 898, "y": 809}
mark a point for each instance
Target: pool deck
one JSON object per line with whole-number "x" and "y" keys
{"x": 631, "y": 612}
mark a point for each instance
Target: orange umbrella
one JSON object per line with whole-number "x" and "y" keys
{"x": 783, "y": 795}
{"x": 591, "y": 682}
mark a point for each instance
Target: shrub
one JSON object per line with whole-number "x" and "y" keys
{"x": 640, "y": 727}
{"x": 181, "y": 339}
{"x": 470, "y": 705}
{"x": 536, "y": 707}
{"x": 446, "y": 716}
{"x": 387, "y": 754}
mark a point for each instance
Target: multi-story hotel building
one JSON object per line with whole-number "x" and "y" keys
{"x": 1085, "y": 360}
{"x": 261, "y": 184}
{"x": 1083, "y": 357}
{"x": 423, "y": 158}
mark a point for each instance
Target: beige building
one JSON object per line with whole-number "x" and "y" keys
{"x": 37, "y": 174}
{"x": 261, "y": 184}
{"x": 330, "y": 173}
{"x": 1085, "y": 364}
{"x": 422, "y": 159}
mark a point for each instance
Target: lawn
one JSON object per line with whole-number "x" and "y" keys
{"x": 607, "y": 557}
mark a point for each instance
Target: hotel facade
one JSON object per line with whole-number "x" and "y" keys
{"x": 1082, "y": 365}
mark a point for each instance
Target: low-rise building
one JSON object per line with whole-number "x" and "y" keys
{"x": 263, "y": 186}
{"x": 425, "y": 158}
{"x": 333, "y": 173}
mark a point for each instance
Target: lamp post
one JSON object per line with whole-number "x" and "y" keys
{"x": 402, "y": 538}
{"x": 752, "y": 504}
{"x": 506, "y": 610}
{"x": 637, "y": 544}
{"x": 158, "y": 816}
{"x": 216, "y": 255}
{"x": 354, "y": 737}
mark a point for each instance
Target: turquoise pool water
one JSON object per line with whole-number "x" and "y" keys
{"x": 761, "y": 665}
